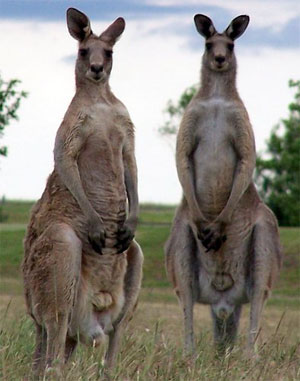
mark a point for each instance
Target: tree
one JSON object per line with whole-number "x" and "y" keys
{"x": 10, "y": 99}
{"x": 175, "y": 112}
{"x": 278, "y": 176}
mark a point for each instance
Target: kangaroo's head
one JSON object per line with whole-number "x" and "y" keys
{"x": 94, "y": 61}
{"x": 219, "y": 47}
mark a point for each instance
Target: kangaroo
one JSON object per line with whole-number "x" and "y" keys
{"x": 224, "y": 248}
{"x": 82, "y": 268}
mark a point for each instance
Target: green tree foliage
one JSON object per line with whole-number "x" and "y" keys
{"x": 174, "y": 112}
{"x": 278, "y": 176}
{"x": 10, "y": 99}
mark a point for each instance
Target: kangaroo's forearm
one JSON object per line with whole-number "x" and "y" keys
{"x": 186, "y": 145}
{"x": 241, "y": 181}
{"x": 186, "y": 179}
{"x": 244, "y": 146}
{"x": 68, "y": 170}
{"x": 131, "y": 188}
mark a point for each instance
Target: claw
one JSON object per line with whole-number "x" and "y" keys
{"x": 95, "y": 246}
{"x": 207, "y": 240}
{"x": 217, "y": 244}
{"x": 102, "y": 240}
{"x": 123, "y": 247}
{"x": 125, "y": 236}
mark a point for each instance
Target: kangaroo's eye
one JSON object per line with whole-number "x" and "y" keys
{"x": 83, "y": 52}
{"x": 108, "y": 53}
{"x": 230, "y": 47}
{"x": 208, "y": 45}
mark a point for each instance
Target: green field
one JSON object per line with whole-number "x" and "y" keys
{"x": 152, "y": 346}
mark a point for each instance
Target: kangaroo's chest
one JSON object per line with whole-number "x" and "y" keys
{"x": 214, "y": 126}
{"x": 105, "y": 125}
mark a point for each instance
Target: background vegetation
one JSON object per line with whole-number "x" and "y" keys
{"x": 10, "y": 99}
{"x": 278, "y": 175}
{"x": 152, "y": 346}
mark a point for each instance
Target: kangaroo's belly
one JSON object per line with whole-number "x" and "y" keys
{"x": 214, "y": 165}
{"x": 101, "y": 171}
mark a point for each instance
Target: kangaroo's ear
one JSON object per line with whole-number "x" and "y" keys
{"x": 204, "y": 26}
{"x": 78, "y": 24}
{"x": 114, "y": 31}
{"x": 237, "y": 26}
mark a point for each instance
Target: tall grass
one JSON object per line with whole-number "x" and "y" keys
{"x": 152, "y": 350}
{"x": 152, "y": 345}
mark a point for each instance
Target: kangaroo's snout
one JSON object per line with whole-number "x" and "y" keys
{"x": 220, "y": 59}
{"x": 95, "y": 68}
{"x": 97, "y": 71}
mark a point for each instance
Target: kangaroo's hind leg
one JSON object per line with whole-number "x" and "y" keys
{"x": 54, "y": 274}
{"x": 132, "y": 285}
{"x": 182, "y": 268}
{"x": 39, "y": 357}
{"x": 70, "y": 347}
{"x": 265, "y": 263}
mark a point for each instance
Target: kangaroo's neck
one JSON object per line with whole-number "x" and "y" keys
{"x": 218, "y": 84}
{"x": 94, "y": 92}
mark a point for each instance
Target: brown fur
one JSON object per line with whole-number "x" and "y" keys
{"x": 82, "y": 269}
{"x": 224, "y": 246}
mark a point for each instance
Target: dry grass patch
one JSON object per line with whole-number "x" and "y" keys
{"x": 152, "y": 347}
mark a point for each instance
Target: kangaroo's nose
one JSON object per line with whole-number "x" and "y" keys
{"x": 220, "y": 59}
{"x": 96, "y": 68}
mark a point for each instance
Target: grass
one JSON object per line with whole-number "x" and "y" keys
{"x": 17, "y": 211}
{"x": 11, "y": 251}
{"x": 151, "y": 349}
{"x": 152, "y": 346}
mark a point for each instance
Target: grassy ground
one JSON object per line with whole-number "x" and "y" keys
{"x": 151, "y": 349}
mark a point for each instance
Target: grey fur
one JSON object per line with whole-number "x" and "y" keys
{"x": 224, "y": 248}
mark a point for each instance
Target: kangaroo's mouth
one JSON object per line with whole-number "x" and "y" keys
{"x": 220, "y": 66}
{"x": 96, "y": 77}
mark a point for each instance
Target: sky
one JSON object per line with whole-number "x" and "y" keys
{"x": 157, "y": 57}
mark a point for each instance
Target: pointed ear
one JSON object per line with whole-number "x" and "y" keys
{"x": 237, "y": 26}
{"x": 114, "y": 31}
{"x": 78, "y": 24}
{"x": 204, "y": 26}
